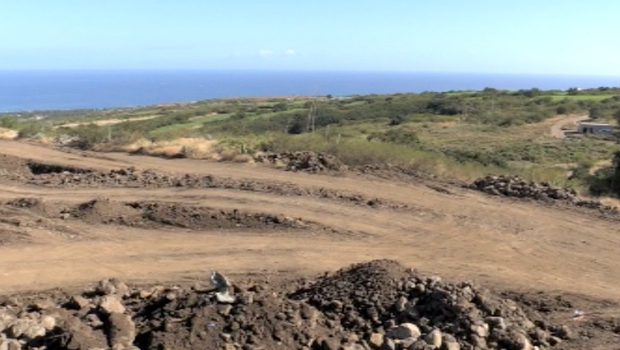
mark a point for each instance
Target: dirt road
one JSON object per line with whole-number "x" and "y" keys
{"x": 464, "y": 234}
{"x": 556, "y": 129}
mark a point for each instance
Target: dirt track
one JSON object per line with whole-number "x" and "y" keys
{"x": 462, "y": 235}
{"x": 556, "y": 129}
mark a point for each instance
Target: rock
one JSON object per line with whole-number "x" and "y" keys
{"x": 376, "y": 340}
{"x": 6, "y": 318}
{"x": 121, "y": 329}
{"x": 434, "y": 338}
{"x": 388, "y": 344}
{"x": 106, "y": 287}
{"x": 43, "y": 305}
{"x": 481, "y": 330}
{"x": 520, "y": 341}
{"x": 564, "y": 332}
{"x": 496, "y": 322}
{"x": 406, "y": 343}
{"x": 111, "y": 304}
{"x": 553, "y": 341}
{"x": 224, "y": 310}
{"x": 224, "y": 298}
{"x": 418, "y": 345}
{"x": 403, "y": 331}
{"x": 35, "y": 330}
{"x": 308, "y": 312}
{"x": 94, "y": 321}
{"x": 122, "y": 289}
{"x": 452, "y": 346}
{"x": 19, "y": 327}
{"x": 48, "y": 322}
{"x": 401, "y": 304}
{"x": 15, "y": 345}
{"x": 79, "y": 302}
{"x": 10, "y": 344}
{"x": 330, "y": 344}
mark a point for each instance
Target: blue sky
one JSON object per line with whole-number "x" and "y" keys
{"x": 494, "y": 36}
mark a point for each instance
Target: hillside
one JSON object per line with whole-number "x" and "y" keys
{"x": 71, "y": 216}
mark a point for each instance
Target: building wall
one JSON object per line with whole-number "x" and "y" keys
{"x": 595, "y": 129}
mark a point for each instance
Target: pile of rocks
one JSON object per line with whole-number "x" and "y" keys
{"x": 305, "y": 161}
{"x": 126, "y": 177}
{"x": 393, "y": 308}
{"x": 514, "y": 186}
{"x": 95, "y": 320}
{"x": 377, "y": 305}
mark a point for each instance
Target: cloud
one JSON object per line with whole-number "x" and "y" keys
{"x": 265, "y": 53}
{"x": 289, "y": 52}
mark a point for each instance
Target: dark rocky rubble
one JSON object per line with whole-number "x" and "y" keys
{"x": 374, "y": 305}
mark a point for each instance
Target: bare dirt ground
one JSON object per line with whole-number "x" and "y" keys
{"x": 58, "y": 232}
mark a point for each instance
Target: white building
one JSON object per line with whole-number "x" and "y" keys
{"x": 594, "y": 128}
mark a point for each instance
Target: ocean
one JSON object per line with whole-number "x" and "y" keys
{"x": 53, "y": 90}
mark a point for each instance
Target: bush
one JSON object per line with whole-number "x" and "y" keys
{"x": 87, "y": 136}
{"x": 31, "y": 130}
{"x": 9, "y": 123}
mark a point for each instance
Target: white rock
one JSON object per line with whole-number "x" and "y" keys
{"x": 434, "y": 338}
{"x": 48, "y": 322}
{"x": 452, "y": 346}
{"x": 6, "y": 318}
{"x": 376, "y": 340}
{"x": 110, "y": 304}
{"x": 224, "y": 298}
{"x": 34, "y": 331}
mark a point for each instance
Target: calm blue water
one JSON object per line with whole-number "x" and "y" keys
{"x": 45, "y": 90}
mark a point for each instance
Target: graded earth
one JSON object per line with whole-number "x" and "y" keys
{"x": 70, "y": 218}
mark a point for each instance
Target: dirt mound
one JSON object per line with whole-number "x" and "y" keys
{"x": 394, "y": 307}
{"x": 375, "y": 305}
{"x": 8, "y": 236}
{"x": 13, "y": 167}
{"x": 131, "y": 178}
{"x": 150, "y": 214}
{"x": 105, "y": 211}
{"x": 201, "y": 217}
{"x": 305, "y": 161}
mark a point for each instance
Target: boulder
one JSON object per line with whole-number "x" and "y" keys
{"x": 121, "y": 330}
{"x": 404, "y": 331}
{"x": 111, "y": 304}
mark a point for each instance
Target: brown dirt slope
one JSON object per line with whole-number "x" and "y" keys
{"x": 457, "y": 233}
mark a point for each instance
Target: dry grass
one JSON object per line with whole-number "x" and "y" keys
{"x": 194, "y": 148}
{"x": 7, "y": 134}
{"x": 612, "y": 202}
{"x": 105, "y": 122}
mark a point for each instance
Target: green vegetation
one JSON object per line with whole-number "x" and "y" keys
{"x": 460, "y": 134}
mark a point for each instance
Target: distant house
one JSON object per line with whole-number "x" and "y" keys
{"x": 594, "y": 128}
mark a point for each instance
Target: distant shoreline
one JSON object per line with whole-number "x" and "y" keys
{"x": 69, "y": 90}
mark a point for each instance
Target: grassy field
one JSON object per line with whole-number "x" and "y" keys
{"x": 461, "y": 135}
{"x": 597, "y": 98}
